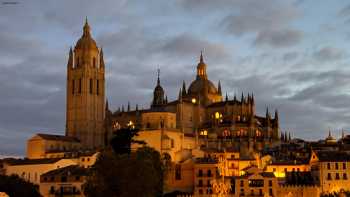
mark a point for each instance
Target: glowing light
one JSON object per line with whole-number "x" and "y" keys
{"x": 280, "y": 174}
{"x": 217, "y": 115}
{"x": 194, "y": 100}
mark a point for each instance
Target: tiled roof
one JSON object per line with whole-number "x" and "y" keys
{"x": 72, "y": 170}
{"x": 57, "y": 137}
{"x": 333, "y": 156}
{"x": 32, "y": 161}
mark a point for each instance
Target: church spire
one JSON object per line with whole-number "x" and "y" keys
{"x": 86, "y": 28}
{"x": 184, "y": 88}
{"x": 219, "y": 88}
{"x": 226, "y": 97}
{"x": 70, "y": 58}
{"x": 102, "y": 61}
{"x": 201, "y": 58}
{"x": 158, "y": 79}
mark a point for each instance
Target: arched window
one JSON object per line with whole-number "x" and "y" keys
{"x": 79, "y": 87}
{"x": 90, "y": 86}
{"x": 94, "y": 62}
{"x": 73, "y": 86}
{"x": 97, "y": 87}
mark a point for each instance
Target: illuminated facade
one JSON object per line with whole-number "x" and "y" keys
{"x": 201, "y": 111}
{"x": 85, "y": 113}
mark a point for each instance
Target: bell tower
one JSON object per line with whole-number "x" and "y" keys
{"x": 85, "y": 112}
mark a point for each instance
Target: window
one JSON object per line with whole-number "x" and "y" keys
{"x": 79, "y": 88}
{"x": 270, "y": 192}
{"x": 209, "y": 173}
{"x": 336, "y": 166}
{"x": 242, "y": 192}
{"x": 52, "y": 190}
{"x": 77, "y": 178}
{"x": 177, "y": 172}
{"x": 344, "y": 166}
{"x": 200, "y": 173}
{"x": 172, "y": 143}
{"x": 337, "y": 176}
{"x": 274, "y": 169}
{"x": 260, "y": 192}
{"x": 90, "y": 86}
{"x": 52, "y": 178}
{"x": 97, "y": 87}
{"x": 329, "y": 177}
{"x": 270, "y": 183}
{"x": 208, "y": 183}
{"x": 73, "y": 86}
{"x": 94, "y": 62}
{"x": 200, "y": 183}
{"x": 83, "y": 159}
{"x": 328, "y": 166}
{"x": 285, "y": 169}
{"x": 200, "y": 191}
{"x": 63, "y": 179}
{"x": 242, "y": 183}
{"x": 345, "y": 177}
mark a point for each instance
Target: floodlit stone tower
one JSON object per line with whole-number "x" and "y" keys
{"x": 86, "y": 92}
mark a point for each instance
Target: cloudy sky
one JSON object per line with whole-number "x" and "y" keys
{"x": 293, "y": 54}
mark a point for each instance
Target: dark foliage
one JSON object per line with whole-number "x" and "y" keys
{"x": 122, "y": 173}
{"x": 122, "y": 140}
{"x": 15, "y": 186}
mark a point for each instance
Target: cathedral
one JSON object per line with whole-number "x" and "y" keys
{"x": 200, "y": 110}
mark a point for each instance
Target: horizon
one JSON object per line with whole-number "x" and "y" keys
{"x": 294, "y": 61}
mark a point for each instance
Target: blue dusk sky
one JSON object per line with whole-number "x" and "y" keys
{"x": 292, "y": 54}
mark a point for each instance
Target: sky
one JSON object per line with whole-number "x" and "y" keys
{"x": 292, "y": 54}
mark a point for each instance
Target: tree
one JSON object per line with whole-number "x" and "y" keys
{"x": 120, "y": 172}
{"x": 122, "y": 140}
{"x": 15, "y": 186}
{"x": 123, "y": 175}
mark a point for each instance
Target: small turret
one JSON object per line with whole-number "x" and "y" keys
{"x": 102, "y": 62}
{"x": 226, "y": 97}
{"x": 70, "y": 59}
{"x": 106, "y": 106}
{"x": 234, "y": 97}
{"x": 128, "y": 106}
{"x": 184, "y": 93}
{"x": 122, "y": 108}
{"x": 219, "y": 88}
{"x": 242, "y": 98}
{"x": 180, "y": 96}
{"x": 137, "y": 107}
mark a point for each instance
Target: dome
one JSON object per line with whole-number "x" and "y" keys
{"x": 86, "y": 41}
{"x": 197, "y": 86}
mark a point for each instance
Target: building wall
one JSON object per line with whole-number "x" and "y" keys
{"x": 204, "y": 174}
{"x": 243, "y": 186}
{"x": 172, "y": 142}
{"x": 152, "y": 120}
{"x": 333, "y": 184}
{"x": 38, "y": 148}
{"x": 280, "y": 169}
{"x": 298, "y": 191}
{"x": 32, "y": 172}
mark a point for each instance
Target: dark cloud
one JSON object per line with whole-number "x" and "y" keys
{"x": 329, "y": 54}
{"x": 138, "y": 37}
{"x": 290, "y": 56}
{"x": 279, "y": 38}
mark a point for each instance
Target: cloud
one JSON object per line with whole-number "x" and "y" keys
{"x": 279, "y": 38}
{"x": 329, "y": 54}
